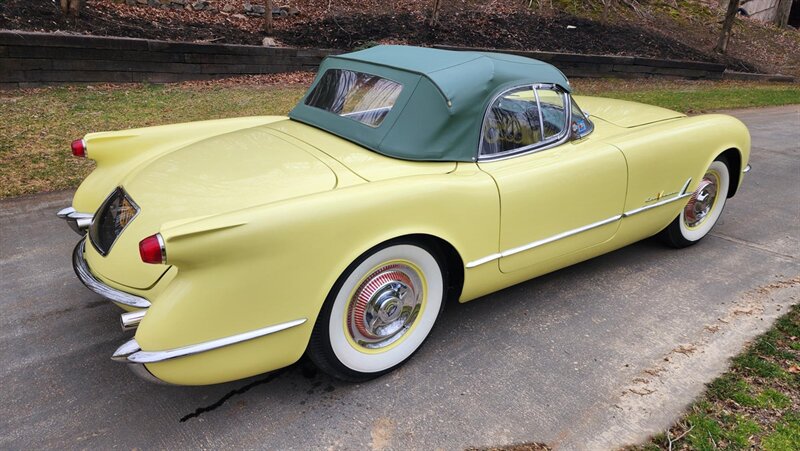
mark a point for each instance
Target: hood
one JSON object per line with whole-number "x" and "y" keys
{"x": 223, "y": 173}
{"x": 623, "y": 113}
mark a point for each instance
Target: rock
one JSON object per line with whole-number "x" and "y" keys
{"x": 239, "y": 16}
{"x": 290, "y": 10}
{"x": 270, "y": 42}
{"x": 228, "y": 8}
{"x": 199, "y": 5}
{"x": 258, "y": 9}
{"x": 247, "y": 7}
{"x": 141, "y": 2}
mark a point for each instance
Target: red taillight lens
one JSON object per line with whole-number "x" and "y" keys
{"x": 152, "y": 249}
{"x": 79, "y": 148}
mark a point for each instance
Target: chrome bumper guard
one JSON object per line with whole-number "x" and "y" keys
{"x": 91, "y": 282}
{"x": 77, "y": 221}
{"x": 747, "y": 169}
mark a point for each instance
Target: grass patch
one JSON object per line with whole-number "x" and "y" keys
{"x": 756, "y": 405}
{"x": 693, "y": 96}
{"x": 37, "y": 125}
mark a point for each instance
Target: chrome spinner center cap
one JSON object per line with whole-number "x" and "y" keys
{"x": 385, "y": 306}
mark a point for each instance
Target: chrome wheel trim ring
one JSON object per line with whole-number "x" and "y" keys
{"x": 385, "y": 306}
{"x": 702, "y": 201}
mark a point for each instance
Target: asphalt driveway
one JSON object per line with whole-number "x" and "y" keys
{"x": 593, "y": 356}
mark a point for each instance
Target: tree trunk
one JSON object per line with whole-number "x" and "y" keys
{"x": 727, "y": 25}
{"x": 783, "y": 12}
{"x": 435, "y": 12}
{"x": 268, "y": 18}
{"x": 71, "y": 7}
{"x": 606, "y": 7}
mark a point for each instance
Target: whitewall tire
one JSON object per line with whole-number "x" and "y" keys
{"x": 379, "y": 312}
{"x": 703, "y": 209}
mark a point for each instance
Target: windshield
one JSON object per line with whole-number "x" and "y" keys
{"x": 359, "y": 96}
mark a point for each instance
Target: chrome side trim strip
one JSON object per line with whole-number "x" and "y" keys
{"x": 560, "y": 236}
{"x": 682, "y": 194}
{"x": 121, "y": 355}
{"x": 160, "y": 356}
{"x": 77, "y": 221}
{"x": 85, "y": 276}
{"x": 542, "y": 242}
{"x": 746, "y": 169}
{"x": 483, "y": 260}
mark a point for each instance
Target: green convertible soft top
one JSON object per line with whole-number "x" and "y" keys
{"x": 438, "y": 114}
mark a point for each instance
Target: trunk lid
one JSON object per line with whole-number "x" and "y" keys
{"x": 228, "y": 172}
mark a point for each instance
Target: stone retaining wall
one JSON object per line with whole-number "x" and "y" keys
{"x": 35, "y": 59}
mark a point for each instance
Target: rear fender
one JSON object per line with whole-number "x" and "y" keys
{"x": 273, "y": 264}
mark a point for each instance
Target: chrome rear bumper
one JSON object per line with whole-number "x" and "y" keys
{"x": 92, "y": 283}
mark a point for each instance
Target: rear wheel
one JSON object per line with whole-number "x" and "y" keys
{"x": 379, "y": 312}
{"x": 702, "y": 210}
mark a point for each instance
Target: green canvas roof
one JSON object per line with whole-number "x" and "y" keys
{"x": 438, "y": 114}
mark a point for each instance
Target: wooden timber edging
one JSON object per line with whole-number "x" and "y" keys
{"x": 579, "y": 65}
{"x": 29, "y": 59}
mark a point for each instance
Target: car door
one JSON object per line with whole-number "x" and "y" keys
{"x": 560, "y": 191}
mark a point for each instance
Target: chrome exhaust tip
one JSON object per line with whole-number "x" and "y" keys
{"x": 131, "y": 320}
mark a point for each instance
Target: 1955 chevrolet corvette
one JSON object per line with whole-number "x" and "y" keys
{"x": 405, "y": 176}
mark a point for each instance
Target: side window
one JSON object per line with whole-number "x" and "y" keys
{"x": 554, "y": 115}
{"x": 512, "y": 122}
{"x": 523, "y": 118}
{"x": 581, "y": 125}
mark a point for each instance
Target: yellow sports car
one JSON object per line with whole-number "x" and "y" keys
{"x": 404, "y": 177}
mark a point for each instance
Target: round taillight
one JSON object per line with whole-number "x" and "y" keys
{"x": 79, "y": 148}
{"x": 152, "y": 249}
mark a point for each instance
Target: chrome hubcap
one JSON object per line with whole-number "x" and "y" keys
{"x": 385, "y": 306}
{"x": 701, "y": 202}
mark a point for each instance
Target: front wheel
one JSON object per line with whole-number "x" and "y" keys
{"x": 703, "y": 209}
{"x": 379, "y": 312}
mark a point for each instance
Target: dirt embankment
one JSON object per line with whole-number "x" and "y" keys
{"x": 349, "y": 24}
